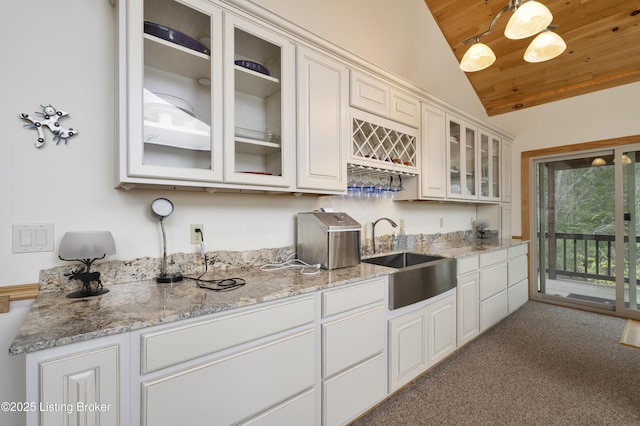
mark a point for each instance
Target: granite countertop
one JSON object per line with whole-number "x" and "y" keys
{"x": 55, "y": 320}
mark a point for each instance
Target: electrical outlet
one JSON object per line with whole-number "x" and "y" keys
{"x": 197, "y": 236}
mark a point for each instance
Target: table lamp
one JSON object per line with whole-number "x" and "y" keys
{"x": 86, "y": 247}
{"x": 161, "y": 208}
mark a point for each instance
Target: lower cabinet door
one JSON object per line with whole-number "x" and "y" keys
{"x": 354, "y": 391}
{"x": 235, "y": 388}
{"x": 81, "y": 389}
{"x": 518, "y": 295}
{"x": 441, "y": 338}
{"x": 407, "y": 348}
{"x": 493, "y": 310}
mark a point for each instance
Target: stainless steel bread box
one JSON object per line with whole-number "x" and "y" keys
{"x": 330, "y": 239}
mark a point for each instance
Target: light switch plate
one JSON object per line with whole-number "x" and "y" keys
{"x": 32, "y": 237}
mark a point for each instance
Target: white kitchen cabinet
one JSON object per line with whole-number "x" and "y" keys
{"x": 258, "y": 109}
{"x": 468, "y": 306}
{"x": 490, "y": 286}
{"x": 404, "y": 108}
{"x": 373, "y": 95}
{"x": 382, "y": 144}
{"x": 233, "y": 388}
{"x": 493, "y": 281}
{"x": 506, "y": 173}
{"x": 441, "y": 335}
{"x": 489, "y": 151}
{"x": 420, "y": 337}
{"x": 190, "y": 113}
{"x": 323, "y": 126}
{"x": 433, "y": 173}
{"x": 518, "y": 291}
{"x": 255, "y": 364}
{"x": 353, "y": 354}
{"x": 79, "y": 384}
{"x": 462, "y": 159}
{"x": 407, "y": 348}
{"x": 169, "y": 125}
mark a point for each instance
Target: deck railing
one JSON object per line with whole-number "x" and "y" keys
{"x": 583, "y": 256}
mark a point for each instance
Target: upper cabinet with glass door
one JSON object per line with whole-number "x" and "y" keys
{"x": 461, "y": 160}
{"x": 171, "y": 102}
{"x": 258, "y": 110}
{"x": 490, "y": 189}
{"x": 197, "y": 81}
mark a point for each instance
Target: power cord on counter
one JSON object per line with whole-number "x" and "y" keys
{"x": 304, "y": 267}
{"x": 224, "y": 284}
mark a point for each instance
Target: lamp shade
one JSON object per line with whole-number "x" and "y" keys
{"x": 528, "y": 19}
{"x": 547, "y": 45}
{"x": 86, "y": 245}
{"x": 478, "y": 57}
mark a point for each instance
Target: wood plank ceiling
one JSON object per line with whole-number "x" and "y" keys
{"x": 603, "y": 50}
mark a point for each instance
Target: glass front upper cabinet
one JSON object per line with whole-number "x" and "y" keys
{"x": 489, "y": 166}
{"x": 258, "y": 113}
{"x": 462, "y": 158}
{"x": 175, "y": 87}
{"x": 206, "y": 98}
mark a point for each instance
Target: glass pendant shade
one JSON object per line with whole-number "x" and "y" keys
{"x": 528, "y": 19}
{"x": 547, "y": 45}
{"x": 478, "y": 57}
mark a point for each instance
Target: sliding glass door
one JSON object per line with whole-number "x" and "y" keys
{"x": 629, "y": 228}
{"x": 588, "y": 222}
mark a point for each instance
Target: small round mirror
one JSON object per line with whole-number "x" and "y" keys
{"x": 162, "y": 207}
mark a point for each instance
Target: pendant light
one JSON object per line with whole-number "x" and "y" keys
{"x": 529, "y": 17}
{"x": 547, "y": 45}
{"x": 478, "y": 57}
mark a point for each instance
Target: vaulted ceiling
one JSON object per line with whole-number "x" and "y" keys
{"x": 603, "y": 50}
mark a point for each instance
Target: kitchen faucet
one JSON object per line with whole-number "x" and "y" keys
{"x": 373, "y": 231}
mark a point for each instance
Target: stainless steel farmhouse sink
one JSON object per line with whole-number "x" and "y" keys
{"x": 418, "y": 277}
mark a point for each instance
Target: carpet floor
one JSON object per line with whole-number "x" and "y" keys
{"x": 542, "y": 365}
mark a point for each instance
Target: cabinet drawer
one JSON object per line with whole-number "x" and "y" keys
{"x": 299, "y": 410}
{"x": 468, "y": 264}
{"x": 178, "y": 344}
{"x": 353, "y": 392}
{"x": 493, "y": 281}
{"x": 352, "y": 297}
{"x": 517, "y": 270}
{"x": 493, "y": 310}
{"x": 518, "y": 295}
{"x": 351, "y": 340}
{"x": 235, "y": 388}
{"x": 369, "y": 94}
{"x": 519, "y": 250}
{"x": 493, "y": 257}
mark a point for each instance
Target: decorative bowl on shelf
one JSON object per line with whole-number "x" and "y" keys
{"x": 257, "y": 135}
{"x": 253, "y": 66}
{"x": 175, "y": 36}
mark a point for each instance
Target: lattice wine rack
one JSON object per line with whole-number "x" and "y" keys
{"x": 381, "y": 147}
